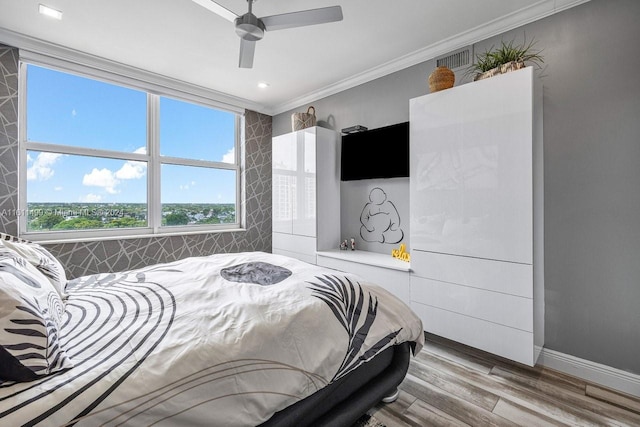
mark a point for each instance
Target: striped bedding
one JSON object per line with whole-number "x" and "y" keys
{"x": 220, "y": 340}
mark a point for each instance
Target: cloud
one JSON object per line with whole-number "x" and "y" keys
{"x": 109, "y": 180}
{"x": 102, "y": 178}
{"x": 73, "y": 113}
{"x": 91, "y": 198}
{"x": 187, "y": 186}
{"x": 41, "y": 169}
{"x": 132, "y": 170}
{"x": 230, "y": 156}
{"x": 58, "y": 188}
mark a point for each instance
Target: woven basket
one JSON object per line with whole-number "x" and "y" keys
{"x": 441, "y": 78}
{"x": 303, "y": 120}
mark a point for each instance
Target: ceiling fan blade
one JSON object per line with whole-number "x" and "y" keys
{"x": 302, "y": 18}
{"x": 217, "y": 9}
{"x": 247, "y": 49}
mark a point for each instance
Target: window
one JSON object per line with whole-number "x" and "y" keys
{"x": 101, "y": 159}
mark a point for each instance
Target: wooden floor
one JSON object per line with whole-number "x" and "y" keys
{"x": 449, "y": 384}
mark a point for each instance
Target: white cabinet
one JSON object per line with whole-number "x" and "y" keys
{"x": 476, "y": 212}
{"x": 306, "y": 192}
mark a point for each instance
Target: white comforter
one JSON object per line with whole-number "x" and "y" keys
{"x": 178, "y": 344}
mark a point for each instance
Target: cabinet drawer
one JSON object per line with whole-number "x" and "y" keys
{"x": 293, "y": 243}
{"x": 499, "y": 276}
{"x": 507, "y": 342}
{"x": 508, "y": 310}
{"x": 394, "y": 281}
{"x": 311, "y": 259}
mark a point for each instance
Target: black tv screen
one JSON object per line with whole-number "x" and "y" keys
{"x": 376, "y": 153}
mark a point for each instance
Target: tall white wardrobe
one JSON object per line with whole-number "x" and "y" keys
{"x": 476, "y": 206}
{"x": 306, "y": 193}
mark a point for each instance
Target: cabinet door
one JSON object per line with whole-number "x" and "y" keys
{"x": 304, "y": 223}
{"x": 284, "y": 176}
{"x": 471, "y": 169}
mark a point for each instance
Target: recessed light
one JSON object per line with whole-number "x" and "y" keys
{"x": 263, "y": 85}
{"x": 47, "y": 11}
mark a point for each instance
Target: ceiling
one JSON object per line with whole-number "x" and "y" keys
{"x": 181, "y": 40}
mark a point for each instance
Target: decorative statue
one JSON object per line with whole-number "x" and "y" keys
{"x": 380, "y": 220}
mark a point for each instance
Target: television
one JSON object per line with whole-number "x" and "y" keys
{"x": 376, "y": 153}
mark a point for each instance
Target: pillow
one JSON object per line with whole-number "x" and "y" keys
{"x": 40, "y": 258}
{"x": 30, "y": 318}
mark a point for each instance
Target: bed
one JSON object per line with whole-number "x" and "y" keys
{"x": 231, "y": 339}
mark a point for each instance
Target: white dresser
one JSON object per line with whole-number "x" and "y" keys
{"x": 381, "y": 269}
{"x": 306, "y": 193}
{"x": 476, "y": 209}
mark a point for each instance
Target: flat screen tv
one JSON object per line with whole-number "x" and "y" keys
{"x": 376, "y": 153}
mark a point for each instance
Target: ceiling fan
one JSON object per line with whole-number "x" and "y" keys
{"x": 250, "y": 28}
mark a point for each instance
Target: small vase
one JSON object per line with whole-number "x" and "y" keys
{"x": 441, "y": 78}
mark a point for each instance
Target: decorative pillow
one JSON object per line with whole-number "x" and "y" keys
{"x": 40, "y": 258}
{"x": 30, "y": 317}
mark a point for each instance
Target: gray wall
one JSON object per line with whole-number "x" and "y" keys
{"x": 592, "y": 170}
{"x": 356, "y": 195}
{"x": 115, "y": 255}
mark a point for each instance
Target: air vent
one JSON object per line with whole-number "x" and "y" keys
{"x": 455, "y": 60}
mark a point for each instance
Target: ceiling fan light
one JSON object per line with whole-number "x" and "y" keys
{"x": 47, "y": 11}
{"x": 263, "y": 85}
{"x": 249, "y": 27}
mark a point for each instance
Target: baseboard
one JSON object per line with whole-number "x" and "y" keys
{"x": 604, "y": 375}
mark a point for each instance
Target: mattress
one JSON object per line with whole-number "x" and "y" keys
{"x": 228, "y": 339}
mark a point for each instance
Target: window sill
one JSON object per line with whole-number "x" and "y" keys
{"x": 134, "y": 236}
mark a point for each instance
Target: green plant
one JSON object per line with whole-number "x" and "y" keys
{"x": 507, "y": 52}
{"x": 484, "y": 62}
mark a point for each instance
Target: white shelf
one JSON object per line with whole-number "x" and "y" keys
{"x": 368, "y": 258}
{"x": 306, "y": 193}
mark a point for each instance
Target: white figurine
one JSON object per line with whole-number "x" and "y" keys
{"x": 353, "y": 244}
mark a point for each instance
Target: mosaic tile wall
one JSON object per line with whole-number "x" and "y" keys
{"x": 8, "y": 139}
{"x": 115, "y": 255}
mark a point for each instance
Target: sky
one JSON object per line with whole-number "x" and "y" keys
{"x": 71, "y": 110}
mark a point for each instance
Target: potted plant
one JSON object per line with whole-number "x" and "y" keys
{"x": 508, "y": 57}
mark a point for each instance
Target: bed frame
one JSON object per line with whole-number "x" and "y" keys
{"x": 344, "y": 401}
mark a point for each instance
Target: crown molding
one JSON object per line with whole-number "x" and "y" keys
{"x": 54, "y": 54}
{"x": 532, "y": 13}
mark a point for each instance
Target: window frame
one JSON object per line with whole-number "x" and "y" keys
{"x": 152, "y": 157}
